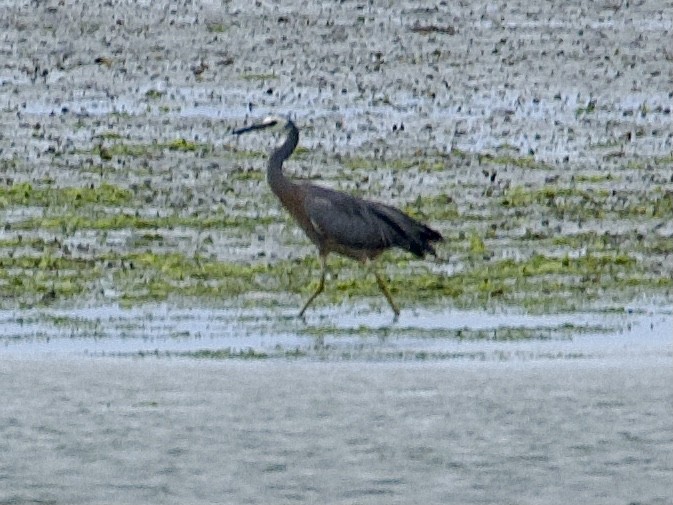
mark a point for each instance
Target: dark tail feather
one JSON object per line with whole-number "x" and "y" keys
{"x": 420, "y": 240}
{"x": 427, "y": 237}
{"x": 408, "y": 233}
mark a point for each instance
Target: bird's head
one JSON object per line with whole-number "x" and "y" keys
{"x": 271, "y": 123}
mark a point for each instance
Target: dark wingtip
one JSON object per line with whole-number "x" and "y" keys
{"x": 428, "y": 236}
{"x": 434, "y": 235}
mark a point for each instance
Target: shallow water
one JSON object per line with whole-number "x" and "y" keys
{"x": 181, "y": 431}
{"x": 336, "y": 334}
{"x": 574, "y": 407}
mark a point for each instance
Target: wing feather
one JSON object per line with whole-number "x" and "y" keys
{"x": 341, "y": 219}
{"x": 348, "y": 222}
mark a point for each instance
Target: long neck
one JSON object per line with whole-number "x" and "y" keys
{"x": 274, "y": 169}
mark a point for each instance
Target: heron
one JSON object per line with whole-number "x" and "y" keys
{"x": 339, "y": 222}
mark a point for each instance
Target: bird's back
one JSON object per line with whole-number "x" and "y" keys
{"x": 360, "y": 228}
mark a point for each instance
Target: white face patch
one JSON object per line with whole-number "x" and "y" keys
{"x": 279, "y": 122}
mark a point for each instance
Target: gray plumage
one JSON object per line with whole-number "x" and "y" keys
{"x": 338, "y": 222}
{"x": 364, "y": 227}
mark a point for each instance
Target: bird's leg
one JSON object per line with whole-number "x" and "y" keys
{"x": 384, "y": 289}
{"x": 321, "y": 285}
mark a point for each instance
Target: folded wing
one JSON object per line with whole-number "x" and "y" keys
{"x": 362, "y": 225}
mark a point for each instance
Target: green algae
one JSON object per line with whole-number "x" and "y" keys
{"x": 528, "y": 162}
{"x": 536, "y": 283}
{"x": 422, "y": 164}
{"x": 184, "y": 145}
{"x": 521, "y": 196}
{"x": 480, "y": 219}
{"x": 216, "y": 27}
{"x": 19, "y": 241}
{"x": 72, "y": 222}
{"x": 26, "y": 194}
{"x": 108, "y": 135}
{"x": 258, "y": 77}
{"x": 143, "y": 276}
{"x": 594, "y": 178}
{"x": 592, "y": 203}
{"x": 227, "y": 353}
{"x": 136, "y": 150}
{"x": 29, "y": 281}
{"x": 440, "y": 207}
{"x": 496, "y": 334}
{"x": 154, "y": 94}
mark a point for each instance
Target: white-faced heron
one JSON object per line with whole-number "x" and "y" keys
{"x": 339, "y": 222}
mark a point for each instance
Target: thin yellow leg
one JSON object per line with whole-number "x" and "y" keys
{"x": 384, "y": 289}
{"x": 321, "y": 286}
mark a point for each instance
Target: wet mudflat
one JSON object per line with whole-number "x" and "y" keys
{"x": 149, "y": 281}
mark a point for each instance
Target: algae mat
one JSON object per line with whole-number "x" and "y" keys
{"x": 122, "y": 186}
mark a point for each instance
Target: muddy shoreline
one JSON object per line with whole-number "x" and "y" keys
{"x": 149, "y": 280}
{"x": 116, "y": 143}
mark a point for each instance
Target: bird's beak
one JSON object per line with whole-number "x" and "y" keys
{"x": 258, "y": 126}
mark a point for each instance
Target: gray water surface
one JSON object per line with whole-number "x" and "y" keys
{"x": 580, "y": 410}
{"x": 180, "y": 431}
